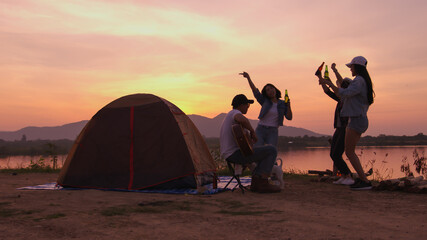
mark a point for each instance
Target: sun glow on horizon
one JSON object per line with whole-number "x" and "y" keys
{"x": 62, "y": 61}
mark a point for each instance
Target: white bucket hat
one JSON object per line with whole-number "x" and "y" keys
{"x": 359, "y": 60}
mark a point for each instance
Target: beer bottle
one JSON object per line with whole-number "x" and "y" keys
{"x": 286, "y": 96}
{"x": 319, "y": 70}
{"x": 326, "y": 72}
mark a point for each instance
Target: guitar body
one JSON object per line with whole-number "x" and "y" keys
{"x": 243, "y": 140}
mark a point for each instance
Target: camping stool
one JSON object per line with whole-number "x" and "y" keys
{"x": 236, "y": 171}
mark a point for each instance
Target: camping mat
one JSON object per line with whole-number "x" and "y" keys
{"x": 223, "y": 180}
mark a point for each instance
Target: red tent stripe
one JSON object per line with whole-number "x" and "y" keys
{"x": 131, "y": 150}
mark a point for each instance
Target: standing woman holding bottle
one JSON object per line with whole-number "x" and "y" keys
{"x": 273, "y": 111}
{"x": 357, "y": 98}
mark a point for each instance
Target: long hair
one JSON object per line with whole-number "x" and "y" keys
{"x": 363, "y": 72}
{"x": 264, "y": 91}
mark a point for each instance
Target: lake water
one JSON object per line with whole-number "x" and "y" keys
{"x": 387, "y": 159}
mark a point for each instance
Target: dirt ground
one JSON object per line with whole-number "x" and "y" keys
{"x": 304, "y": 210}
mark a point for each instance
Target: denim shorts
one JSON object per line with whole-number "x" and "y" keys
{"x": 359, "y": 124}
{"x": 266, "y": 135}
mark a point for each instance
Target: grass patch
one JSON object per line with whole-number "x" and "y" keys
{"x": 164, "y": 206}
{"x": 150, "y": 210}
{"x": 115, "y": 211}
{"x": 50, "y": 216}
{"x": 4, "y": 203}
{"x": 8, "y": 212}
{"x": 244, "y": 213}
{"x": 237, "y": 208}
{"x": 154, "y": 206}
{"x": 230, "y": 203}
{"x": 28, "y": 212}
{"x": 148, "y": 207}
{"x": 55, "y": 215}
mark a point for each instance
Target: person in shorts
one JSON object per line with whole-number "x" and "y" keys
{"x": 357, "y": 98}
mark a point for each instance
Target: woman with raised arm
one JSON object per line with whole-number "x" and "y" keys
{"x": 357, "y": 98}
{"x": 338, "y": 138}
{"x": 272, "y": 114}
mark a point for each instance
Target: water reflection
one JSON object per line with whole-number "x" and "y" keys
{"x": 387, "y": 160}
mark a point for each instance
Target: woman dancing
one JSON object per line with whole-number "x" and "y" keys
{"x": 357, "y": 98}
{"x": 272, "y": 114}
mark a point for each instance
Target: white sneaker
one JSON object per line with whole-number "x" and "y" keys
{"x": 339, "y": 181}
{"x": 347, "y": 181}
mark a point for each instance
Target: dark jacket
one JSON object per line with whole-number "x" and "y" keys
{"x": 338, "y": 108}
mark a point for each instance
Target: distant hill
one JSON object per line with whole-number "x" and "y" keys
{"x": 208, "y": 127}
{"x": 67, "y": 131}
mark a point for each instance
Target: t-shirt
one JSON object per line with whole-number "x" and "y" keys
{"x": 227, "y": 142}
{"x": 271, "y": 118}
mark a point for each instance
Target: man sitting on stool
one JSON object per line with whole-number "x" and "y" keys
{"x": 264, "y": 156}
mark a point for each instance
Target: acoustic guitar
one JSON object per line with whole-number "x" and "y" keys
{"x": 243, "y": 139}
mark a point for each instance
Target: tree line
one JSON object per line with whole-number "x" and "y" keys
{"x": 307, "y": 141}
{"x": 60, "y": 147}
{"x": 35, "y": 147}
{"x": 381, "y": 140}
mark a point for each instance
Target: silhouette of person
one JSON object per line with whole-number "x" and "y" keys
{"x": 338, "y": 139}
{"x": 357, "y": 98}
{"x": 264, "y": 156}
{"x": 272, "y": 114}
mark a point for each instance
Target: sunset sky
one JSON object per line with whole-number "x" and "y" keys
{"x": 61, "y": 61}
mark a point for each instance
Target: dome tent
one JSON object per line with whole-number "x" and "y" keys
{"x": 137, "y": 142}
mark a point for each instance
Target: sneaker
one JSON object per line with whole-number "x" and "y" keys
{"x": 356, "y": 181}
{"x": 347, "y": 181}
{"x": 362, "y": 185}
{"x": 344, "y": 181}
{"x": 339, "y": 181}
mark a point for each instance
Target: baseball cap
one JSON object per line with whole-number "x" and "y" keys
{"x": 359, "y": 60}
{"x": 240, "y": 99}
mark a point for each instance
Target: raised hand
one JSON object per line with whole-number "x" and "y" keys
{"x": 333, "y": 66}
{"x": 324, "y": 81}
{"x": 245, "y": 74}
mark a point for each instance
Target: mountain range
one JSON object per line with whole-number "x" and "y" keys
{"x": 208, "y": 127}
